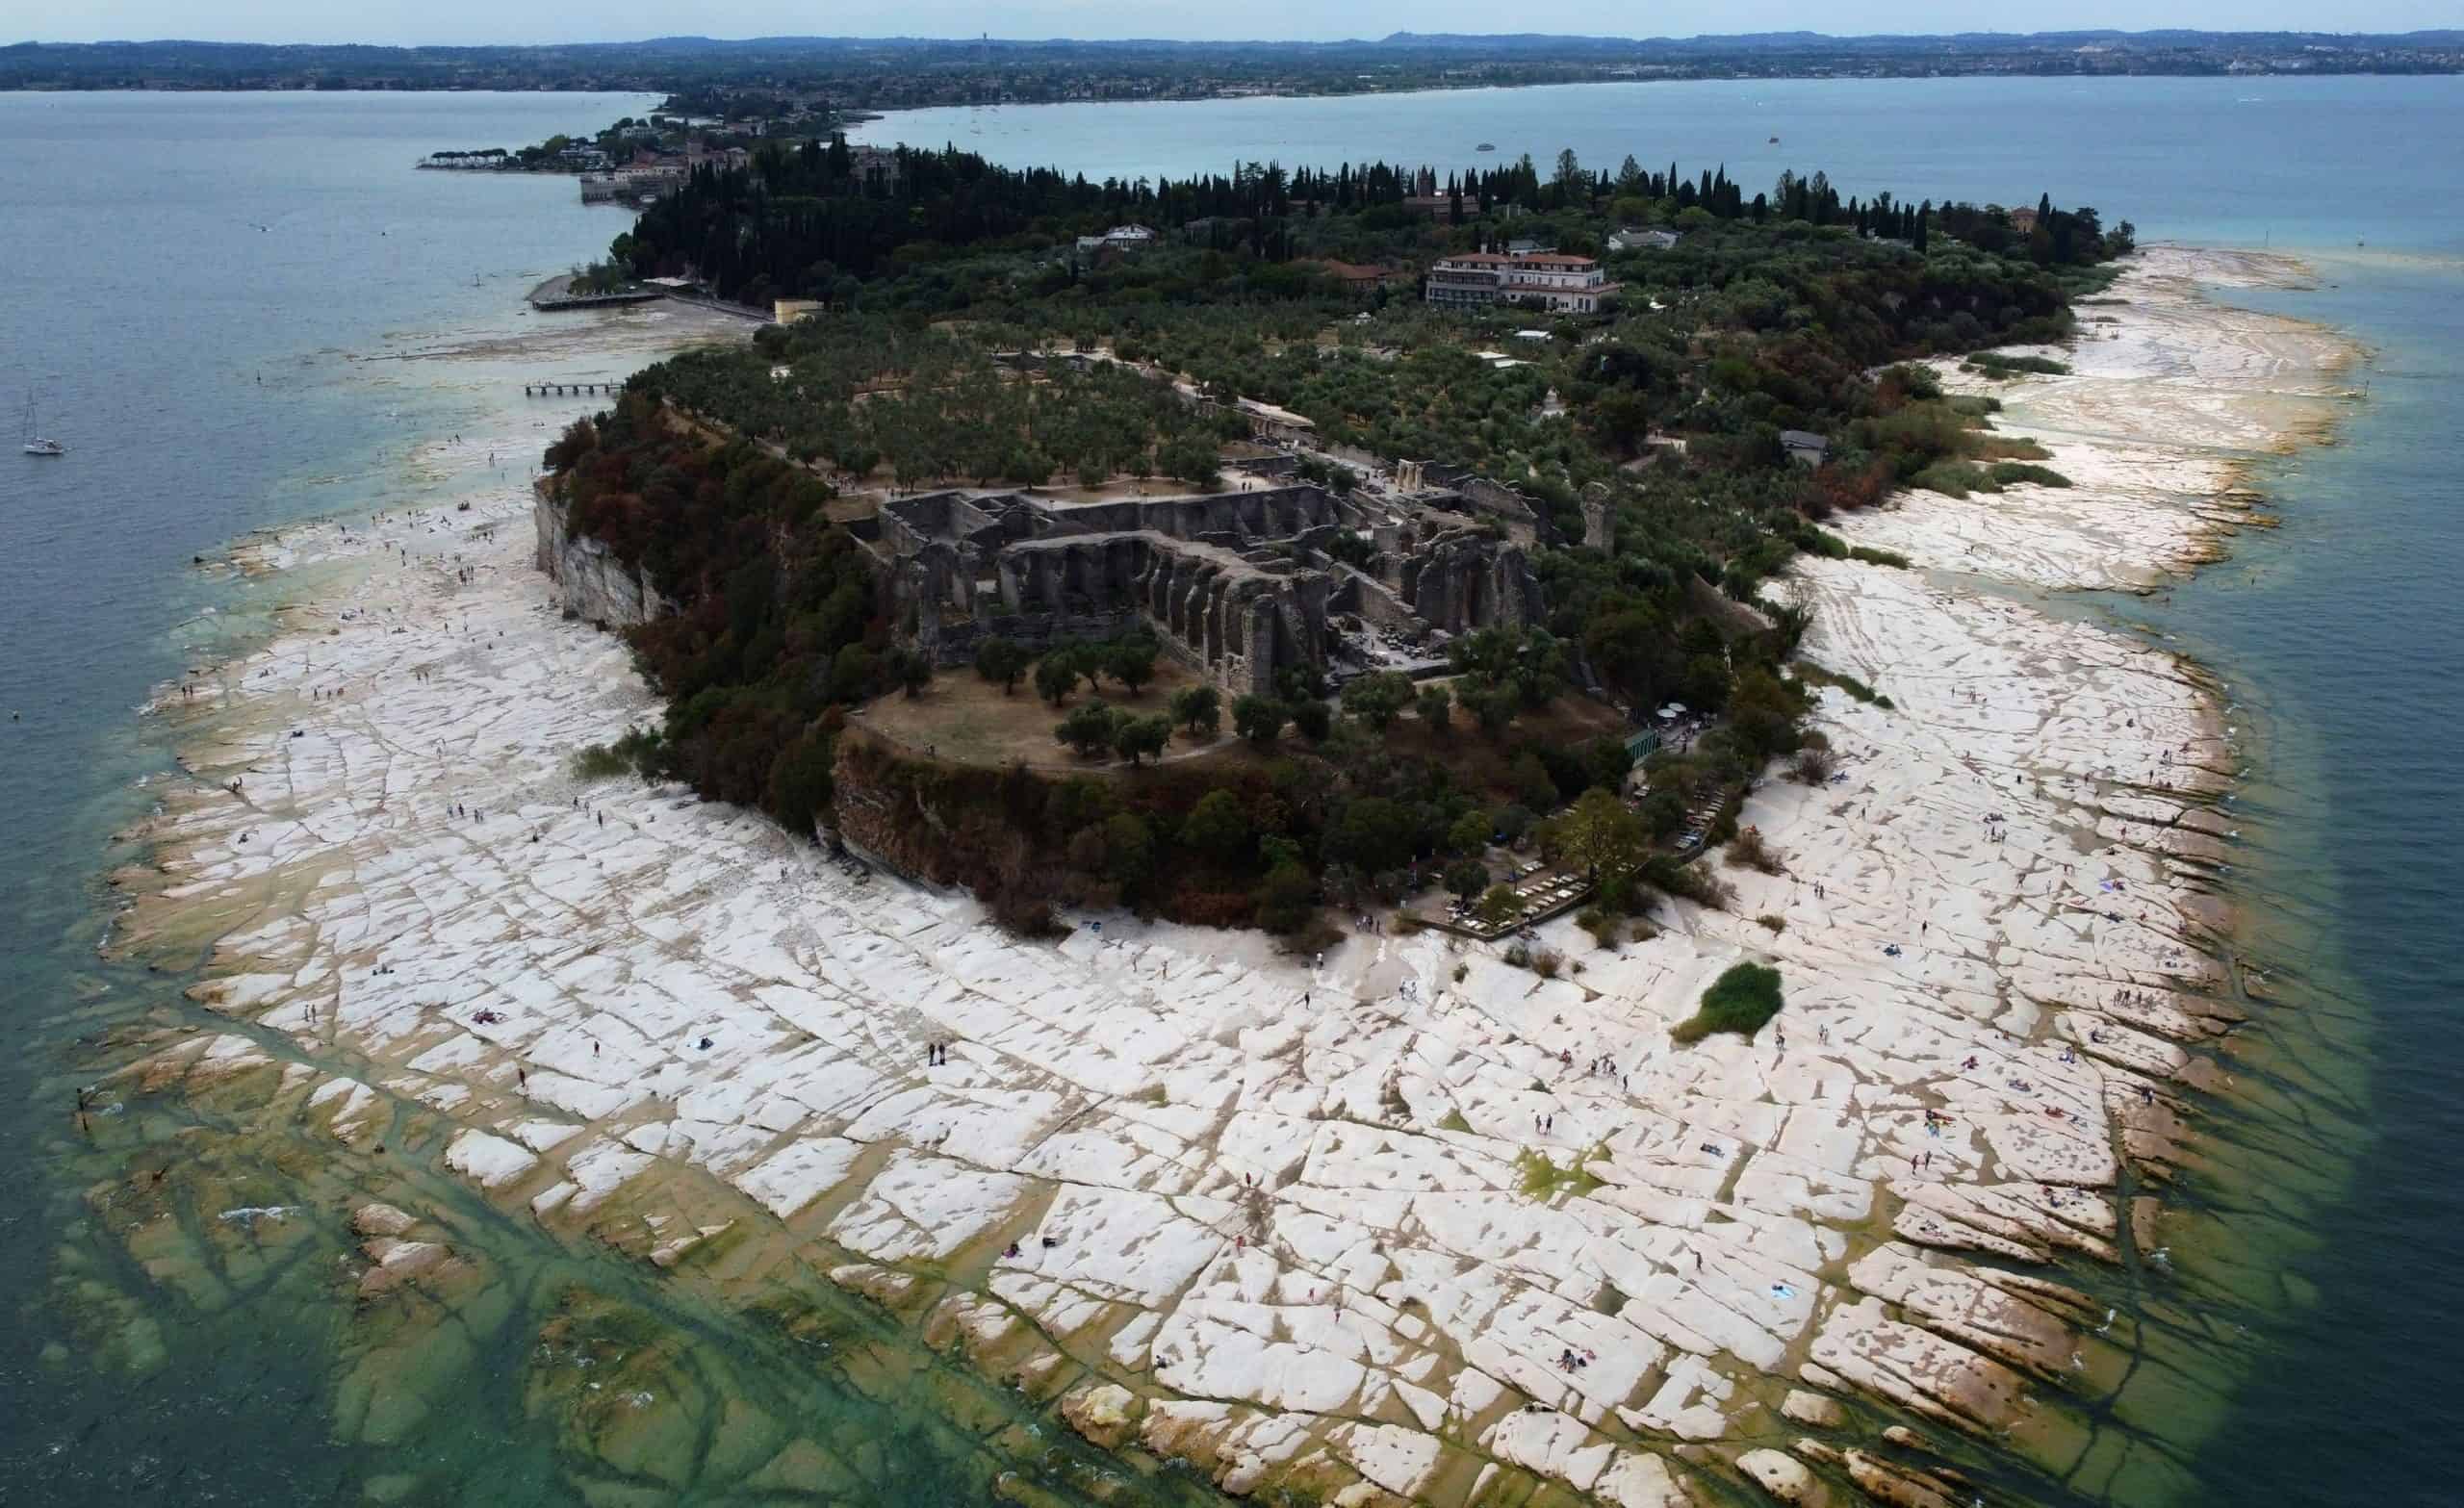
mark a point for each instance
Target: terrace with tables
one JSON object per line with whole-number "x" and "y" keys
{"x": 1541, "y": 891}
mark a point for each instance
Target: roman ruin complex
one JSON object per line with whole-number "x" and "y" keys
{"x": 1236, "y": 586}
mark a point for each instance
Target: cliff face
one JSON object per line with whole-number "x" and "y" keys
{"x": 1005, "y": 835}
{"x": 591, "y": 582}
{"x": 947, "y": 826}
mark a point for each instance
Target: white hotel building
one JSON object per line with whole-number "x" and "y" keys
{"x": 1543, "y": 279}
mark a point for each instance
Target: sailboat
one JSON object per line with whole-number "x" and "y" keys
{"x": 34, "y": 444}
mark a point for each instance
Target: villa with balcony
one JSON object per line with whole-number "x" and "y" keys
{"x": 1548, "y": 280}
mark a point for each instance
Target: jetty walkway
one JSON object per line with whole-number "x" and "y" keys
{"x": 552, "y": 294}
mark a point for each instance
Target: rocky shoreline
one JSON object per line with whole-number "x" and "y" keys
{"x": 1409, "y": 1225}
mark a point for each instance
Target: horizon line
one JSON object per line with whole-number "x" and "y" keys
{"x": 986, "y": 38}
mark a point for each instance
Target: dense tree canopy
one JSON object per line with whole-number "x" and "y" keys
{"x": 971, "y": 338}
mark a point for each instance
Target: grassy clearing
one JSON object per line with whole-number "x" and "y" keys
{"x": 1988, "y": 446}
{"x": 638, "y": 753}
{"x": 2008, "y": 473}
{"x": 1994, "y": 363}
{"x": 1831, "y": 546}
{"x": 1950, "y": 478}
{"x": 1960, "y": 478}
{"x": 1749, "y": 849}
{"x": 1542, "y": 1179}
{"x": 1741, "y": 1001}
{"x": 596, "y": 762}
{"x": 1808, "y": 670}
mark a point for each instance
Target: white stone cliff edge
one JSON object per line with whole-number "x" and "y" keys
{"x": 590, "y": 582}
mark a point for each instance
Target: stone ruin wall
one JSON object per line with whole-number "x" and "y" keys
{"x": 1523, "y": 520}
{"x": 963, "y": 570}
{"x": 1461, "y": 580}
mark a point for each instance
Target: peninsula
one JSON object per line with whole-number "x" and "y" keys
{"x": 1397, "y": 1220}
{"x": 1395, "y": 831}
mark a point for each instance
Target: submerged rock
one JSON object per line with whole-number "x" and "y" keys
{"x": 1106, "y": 1413}
{"x": 1891, "y": 1487}
{"x": 380, "y": 1219}
{"x": 1811, "y": 1408}
{"x": 1784, "y": 1478}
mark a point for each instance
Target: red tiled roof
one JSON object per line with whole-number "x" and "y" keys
{"x": 1354, "y": 272}
{"x": 1544, "y": 259}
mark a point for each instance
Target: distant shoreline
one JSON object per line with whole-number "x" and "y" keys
{"x": 910, "y": 72}
{"x": 872, "y": 114}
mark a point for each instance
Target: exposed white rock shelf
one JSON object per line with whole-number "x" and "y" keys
{"x": 1213, "y": 1201}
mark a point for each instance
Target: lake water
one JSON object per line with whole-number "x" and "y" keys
{"x": 214, "y": 376}
{"x": 2223, "y": 162}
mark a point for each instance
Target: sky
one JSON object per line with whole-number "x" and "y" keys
{"x": 485, "y": 21}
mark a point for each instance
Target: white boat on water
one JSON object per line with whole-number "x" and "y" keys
{"x": 34, "y": 444}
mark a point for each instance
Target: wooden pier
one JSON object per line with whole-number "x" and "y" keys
{"x": 556, "y": 293}
{"x": 563, "y": 389}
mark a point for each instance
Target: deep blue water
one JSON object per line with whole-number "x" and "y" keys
{"x": 148, "y": 305}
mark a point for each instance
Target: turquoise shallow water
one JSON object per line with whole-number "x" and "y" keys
{"x": 211, "y": 379}
{"x": 209, "y": 375}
